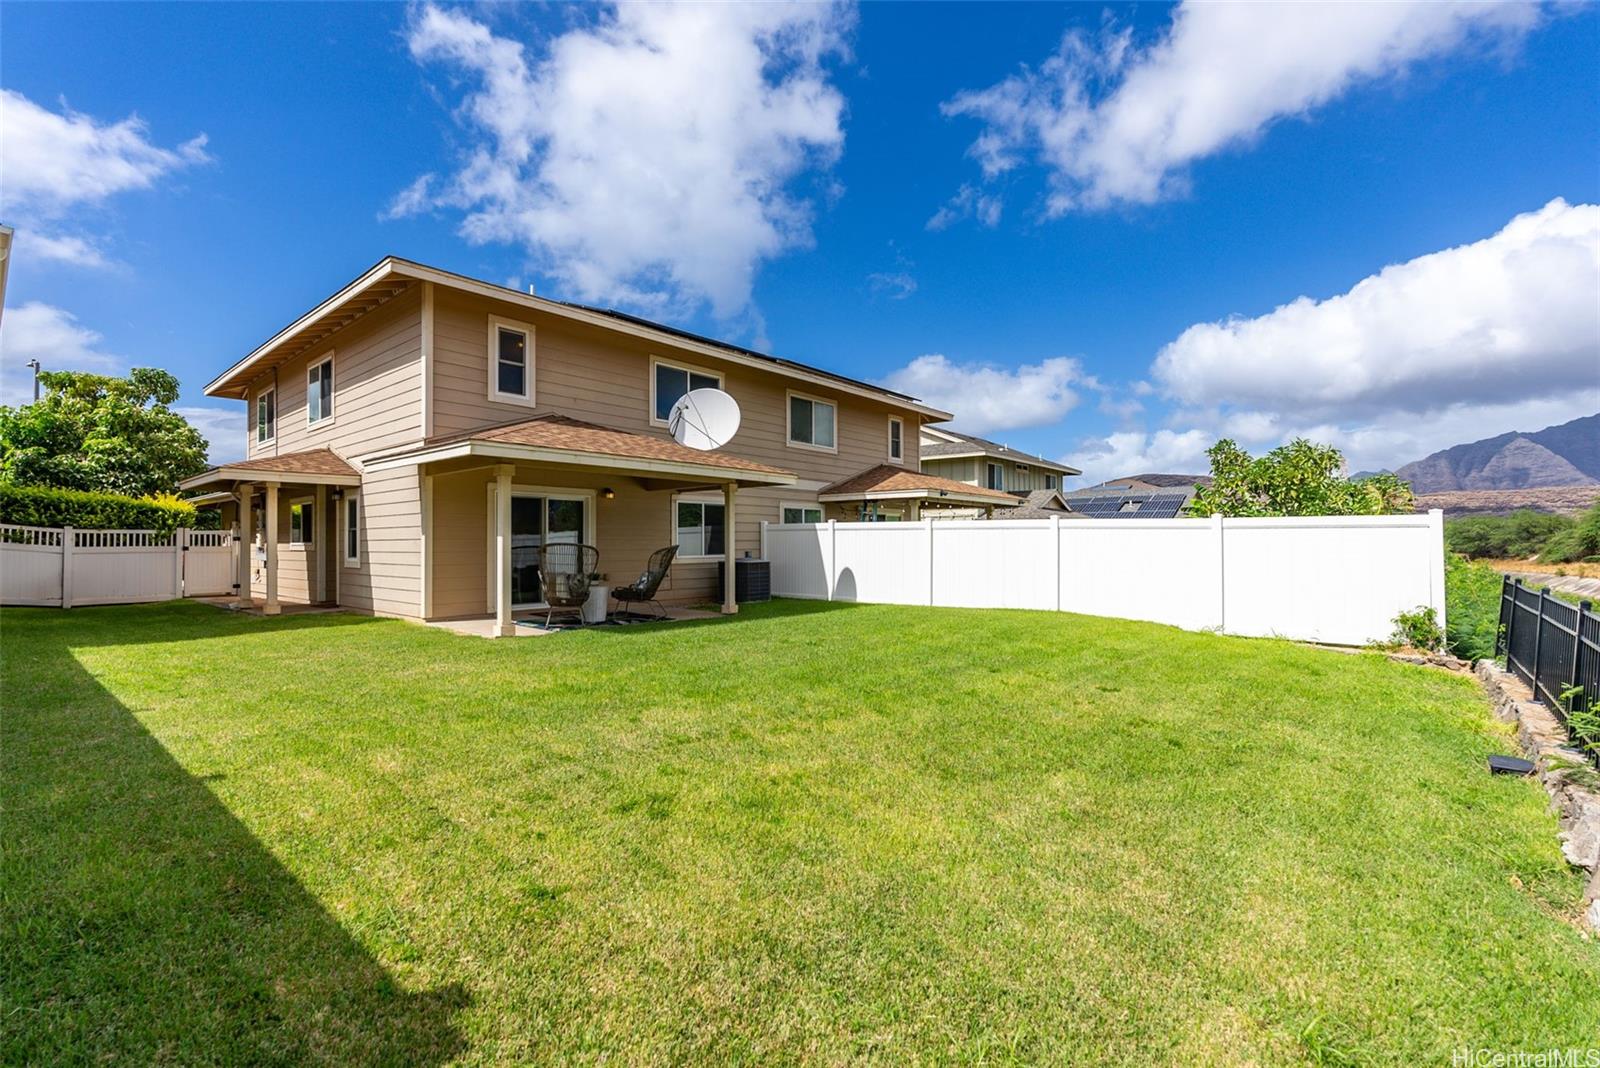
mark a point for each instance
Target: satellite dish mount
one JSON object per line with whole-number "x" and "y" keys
{"x": 704, "y": 419}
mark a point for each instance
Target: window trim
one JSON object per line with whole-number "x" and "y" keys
{"x": 270, "y": 391}
{"x": 788, "y": 421}
{"x": 1052, "y": 481}
{"x": 990, "y": 465}
{"x": 351, "y": 500}
{"x": 333, "y": 383}
{"x": 568, "y": 493}
{"x": 813, "y": 506}
{"x": 676, "y": 365}
{"x": 492, "y": 365}
{"x": 727, "y": 535}
{"x": 301, "y": 502}
{"x": 894, "y": 421}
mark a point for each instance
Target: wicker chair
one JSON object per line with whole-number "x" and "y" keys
{"x": 565, "y": 568}
{"x": 643, "y": 591}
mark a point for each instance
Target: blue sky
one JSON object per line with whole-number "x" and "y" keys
{"x": 1106, "y": 234}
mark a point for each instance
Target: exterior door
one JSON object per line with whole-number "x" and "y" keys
{"x": 538, "y": 521}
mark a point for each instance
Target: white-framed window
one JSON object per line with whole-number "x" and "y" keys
{"x": 1022, "y": 467}
{"x": 352, "y": 530}
{"x": 319, "y": 391}
{"x": 790, "y": 512}
{"x": 1050, "y": 481}
{"x": 302, "y": 523}
{"x": 670, "y": 381}
{"x": 813, "y": 422}
{"x": 897, "y": 444}
{"x": 511, "y": 361}
{"x": 698, "y": 528}
{"x": 266, "y": 415}
{"x": 996, "y": 476}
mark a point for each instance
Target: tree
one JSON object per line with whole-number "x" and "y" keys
{"x": 1300, "y": 478}
{"x": 96, "y": 432}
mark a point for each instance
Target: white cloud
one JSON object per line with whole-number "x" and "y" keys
{"x": 55, "y": 338}
{"x": 1512, "y": 317}
{"x": 1138, "y": 452}
{"x": 1114, "y": 122}
{"x": 647, "y": 159}
{"x": 984, "y": 398}
{"x": 968, "y": 203}
{"x": 223, "y": 429}
{"x": 55, "y": 166}
{"x": 896, "y": 285}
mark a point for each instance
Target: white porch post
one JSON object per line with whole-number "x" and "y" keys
{"x": 730, "y": 604}
{"x": 247, "y": 535}
{"x": 271, "y": 607}
{"x": 321, "y": 544}
{"x": 504, "y": 627}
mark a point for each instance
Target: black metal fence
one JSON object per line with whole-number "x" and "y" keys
{"x": 1553, "y": 646}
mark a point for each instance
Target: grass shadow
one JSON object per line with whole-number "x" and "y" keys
{"x": 141, "y": 921}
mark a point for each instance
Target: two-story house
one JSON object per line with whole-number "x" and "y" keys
{"x": 415, "y": 437}
{"x": 984, "y": 464}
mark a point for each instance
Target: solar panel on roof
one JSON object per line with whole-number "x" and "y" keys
{"x": 1130, "y": 505}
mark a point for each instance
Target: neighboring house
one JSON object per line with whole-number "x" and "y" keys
{"x": 1040, "y": 504}
{"x": 1148, "y": 496}
{"x": 978, "y": 462}
{"x": 415, "y": 437}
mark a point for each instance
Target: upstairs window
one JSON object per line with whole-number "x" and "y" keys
{"x": 511, "y": 361}
{"x": 319, "y": 391}
{"x": 1049, "y": 481}
{"x": 266, "y": 415}
{"x": 700, "y": 528}
{"x": 996, "y": 477}
{"x": 897, "y": 449}
{"x": 671, "y": 383}
{"x": 811, "y": 422}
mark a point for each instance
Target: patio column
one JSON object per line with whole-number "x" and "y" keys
{"x": 914, "y": 510}
{"x": 321, "y": 545}
{"x": 271, "y": 607}
{"x": 503, "y": 625}
{"x": 247, "y": 530}
{"x": 730, "y": 604}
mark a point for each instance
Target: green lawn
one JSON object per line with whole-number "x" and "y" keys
{"x": 814, "y": 832}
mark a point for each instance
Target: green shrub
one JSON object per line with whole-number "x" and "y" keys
{"x": 1580, "y": 541}
{"x": 1472, "y": 607}
{"x": 1419, "y": 629}
{"x": 40, "y": 506}
{"x": 1521, "y": 534}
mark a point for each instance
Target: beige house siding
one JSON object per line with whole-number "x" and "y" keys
{"x": 973, "y": 471}
{"x": 389, "y": 580}
{"x": 377, "y": 388}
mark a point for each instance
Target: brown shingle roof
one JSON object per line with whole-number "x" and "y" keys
{"x": 572, "y": 435}
{"x": 970, "y": 444}
{"x": 309, "y": 462}
{"x": 887, "y": 478}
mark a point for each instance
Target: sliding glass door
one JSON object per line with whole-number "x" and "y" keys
{"x": 537, "y": 521}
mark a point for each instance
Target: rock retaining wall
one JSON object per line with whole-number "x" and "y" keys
{"x": 1568, "y": 778}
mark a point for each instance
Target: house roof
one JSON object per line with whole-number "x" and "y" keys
{"x": 892, "y": 481}
{"x": 1157, "y": 481}
{"x": 1040, "y": 504}
{"x": 969, "y": 445}
{"x": 313, "y": 466}
{"x": 561, "y": 439}
{"x": 392, "y": 276}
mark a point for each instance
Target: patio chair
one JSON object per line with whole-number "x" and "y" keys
{"x": 643, "y": 590}
{"x": 565, "y": 568}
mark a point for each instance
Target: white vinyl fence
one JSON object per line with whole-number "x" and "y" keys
{"x": 1334, "y": 579}
{"x": 62, "y": 567}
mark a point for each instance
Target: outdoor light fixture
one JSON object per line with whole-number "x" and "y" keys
{"x": 609, "y": 494}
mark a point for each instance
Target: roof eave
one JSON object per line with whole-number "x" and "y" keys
{"x": 227, "y": 473}
{"x": 504, "y": 450}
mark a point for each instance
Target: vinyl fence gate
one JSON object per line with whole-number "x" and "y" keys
{"x": 62, "y": 567}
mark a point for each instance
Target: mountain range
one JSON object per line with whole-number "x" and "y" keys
{"x": 1564, "y": 455}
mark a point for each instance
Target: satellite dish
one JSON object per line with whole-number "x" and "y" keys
{"x": 704, "y": 419}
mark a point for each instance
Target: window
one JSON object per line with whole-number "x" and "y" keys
{"x": 302, "y": 528}
{"x": 801, "y": 513}
{"x": 670, "y": 382}
{"x": 1022, "y": 467}
{"x": 811, "y": 422}
{"x": 700, "y": 528}
{"x": 511, "y": 361}
{"x": 1049, "y": 481}
{"x": 896, "y": 442}
{"x": 266, "y": 415}
{"x": 319, "y": 391}
{"x": 997, "y": 477}
{"x": 352, "y": 531}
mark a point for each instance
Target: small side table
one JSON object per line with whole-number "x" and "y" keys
{"x": 595, "y": 608}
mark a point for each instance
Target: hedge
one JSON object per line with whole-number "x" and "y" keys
{"x": 40, "y": 506}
